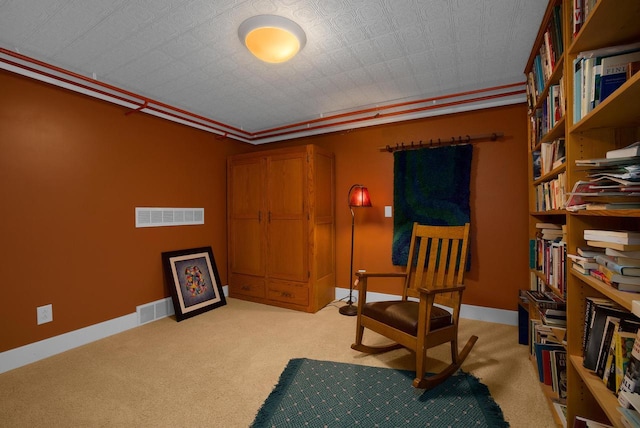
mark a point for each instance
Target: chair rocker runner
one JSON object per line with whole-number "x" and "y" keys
{"x": 435, "y": 277}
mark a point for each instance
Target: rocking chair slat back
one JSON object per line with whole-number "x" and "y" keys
{"x": 439, "y": 263}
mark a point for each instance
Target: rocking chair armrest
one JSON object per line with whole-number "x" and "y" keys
{"x": 380, "y": 274}
{"x": 442, "y": 290}
{"x": 361, "y": 281}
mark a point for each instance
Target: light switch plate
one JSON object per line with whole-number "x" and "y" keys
{"x": 387, "y": 211}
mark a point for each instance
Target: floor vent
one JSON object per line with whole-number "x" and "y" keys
{"x": 154, "y": 310}
{"x": 157, "y": 217}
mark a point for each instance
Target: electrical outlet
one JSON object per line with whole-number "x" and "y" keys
{"x": 45, "y": 314}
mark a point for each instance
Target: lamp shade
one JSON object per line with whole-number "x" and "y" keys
{"x": 359, "y": 196}
{"x": 272, "y": 38}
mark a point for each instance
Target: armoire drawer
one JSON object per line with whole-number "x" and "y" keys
{"x": 247, "y": 285}
{"x": 289, "y": 292}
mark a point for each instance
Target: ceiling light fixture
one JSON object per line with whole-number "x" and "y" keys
{"x": 272, "y": 38}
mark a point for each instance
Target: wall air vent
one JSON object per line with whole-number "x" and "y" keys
{"x": 156, "y": 217}
{"x": 155, "y": 310}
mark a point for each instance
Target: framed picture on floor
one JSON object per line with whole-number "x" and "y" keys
{"x": 194, "y": 281}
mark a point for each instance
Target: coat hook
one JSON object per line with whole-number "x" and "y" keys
{"x": 468, "y": 138}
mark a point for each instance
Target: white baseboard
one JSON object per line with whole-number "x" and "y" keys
{"x": 479, "y": 313}
{"x": 18, "y": 357}
{"x": 33, "y": 352}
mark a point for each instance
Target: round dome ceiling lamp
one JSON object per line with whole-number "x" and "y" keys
{"x": 272, "y": 38}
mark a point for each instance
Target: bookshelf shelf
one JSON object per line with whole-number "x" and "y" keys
{"x": 550, "y": 175}
{"x": 611, "y": 124}
{"x": 623, "y": 298}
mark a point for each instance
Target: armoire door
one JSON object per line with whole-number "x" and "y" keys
{"x": 247, "y": 234}
{"x": 287, "y": 238}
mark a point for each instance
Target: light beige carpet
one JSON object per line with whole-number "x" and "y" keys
{"x": 216, "y": 370}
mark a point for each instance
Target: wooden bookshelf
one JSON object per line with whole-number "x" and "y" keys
{"x": 614, "y": 123}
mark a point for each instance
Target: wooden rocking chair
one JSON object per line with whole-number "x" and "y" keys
{"x": 418, "y": 324}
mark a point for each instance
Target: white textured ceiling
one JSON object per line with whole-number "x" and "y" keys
{"x": 359, "y": 53}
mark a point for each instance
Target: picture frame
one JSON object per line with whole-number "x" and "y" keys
{"x": 194, "y": 281}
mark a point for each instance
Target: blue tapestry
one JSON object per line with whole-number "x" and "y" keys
{"x": 431, "y": 186}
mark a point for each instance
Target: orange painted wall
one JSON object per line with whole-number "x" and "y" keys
{"x": 72, "y": 171}
{"x": 73, "y": 168}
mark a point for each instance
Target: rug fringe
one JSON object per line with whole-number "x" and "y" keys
{"x": 491, "y": 409}
{"x": 277, "y": 394}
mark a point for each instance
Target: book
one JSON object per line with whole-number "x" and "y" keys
{"x": 630, "y": 150}
{"x": 614, "y": 245}
{"x": 624, "y": 345}
{"x": 609, "y": 374}
{"x": 614, "y": 206}
{"x": 614, "y": 63}
{"x": 620, "y": 265}
{"x": 618, "y": 278}
{"x": 589, "y": 309}
{"x": 590, "y": 252}
{"x": 630, "y": 418}
{"x": 609, "y": 83}
{"x": 561, "y": 412}
{"x": 618, "y": 253}
{"x": 584, "y": 262}
{"x": 615, "y": 236}
{"x": 582, "y": 422}
{"x": 631, "y": 379}
{"x": 559, "y": 366}
{"x": 583, "y": 270}
{"x": 610, "y": 327}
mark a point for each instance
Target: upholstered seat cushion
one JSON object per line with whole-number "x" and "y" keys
{"x": 403, "y": 315}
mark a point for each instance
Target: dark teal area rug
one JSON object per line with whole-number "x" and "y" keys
{"x": 313, "y": 393}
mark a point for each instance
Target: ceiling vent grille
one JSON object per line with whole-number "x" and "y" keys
{"x": 156, "y": 217}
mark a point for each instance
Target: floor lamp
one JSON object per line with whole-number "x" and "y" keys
{"x": 358, "y": 197}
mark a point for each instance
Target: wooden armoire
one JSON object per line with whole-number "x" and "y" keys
{"x": 281, "y": 227}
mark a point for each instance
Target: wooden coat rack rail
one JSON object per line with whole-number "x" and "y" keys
{"x": 467, "y": 139}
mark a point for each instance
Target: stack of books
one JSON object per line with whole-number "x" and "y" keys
{"x": 585, "y": 261}
{"x": 619, "y": 265}
{"x": 614, "y": 181}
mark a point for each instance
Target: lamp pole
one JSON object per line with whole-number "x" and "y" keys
{"x": 357, "y": 198}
